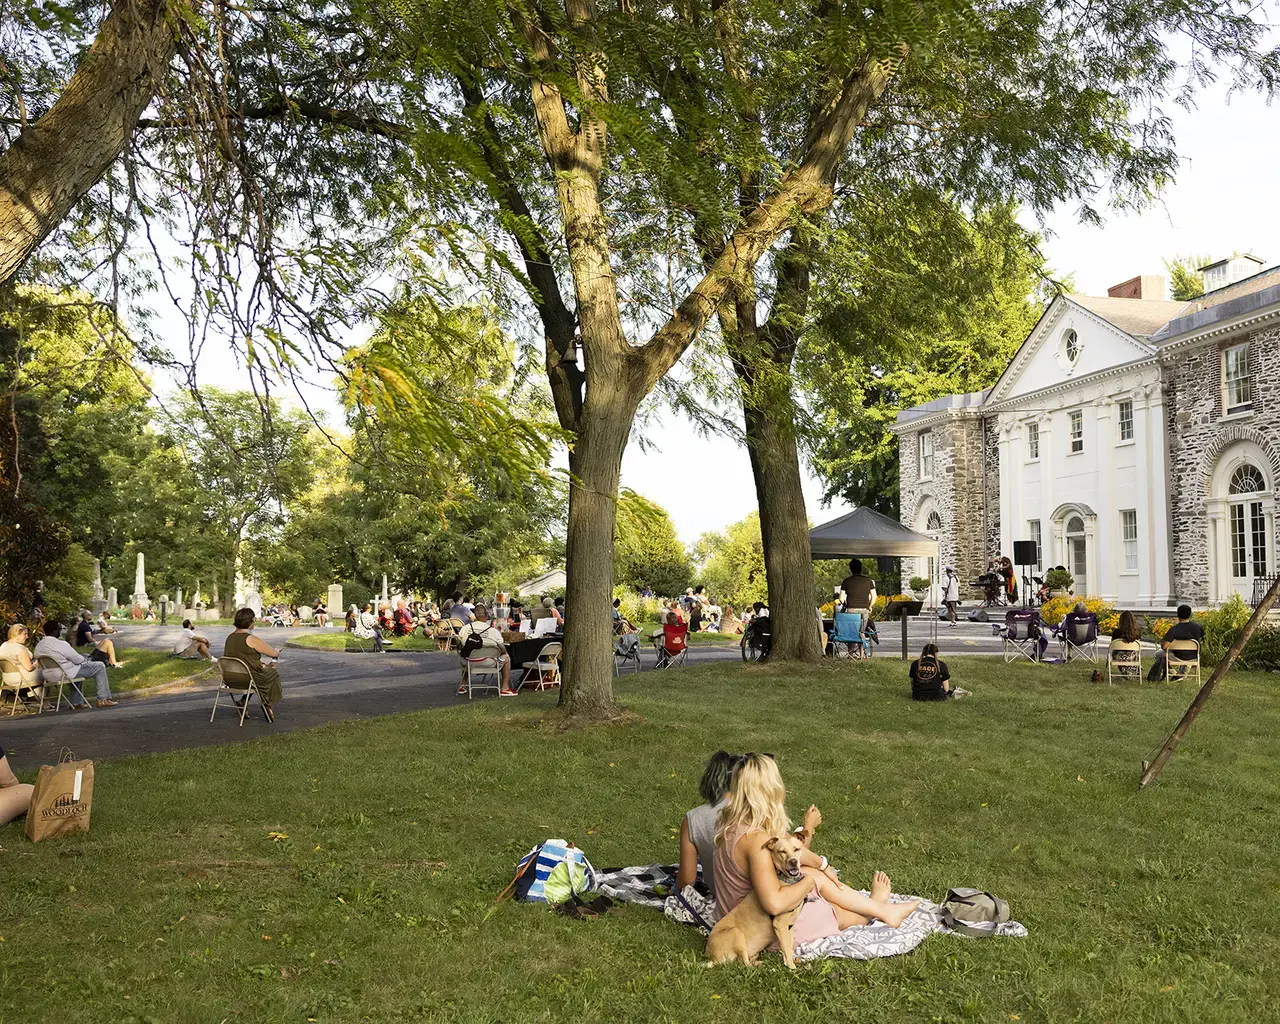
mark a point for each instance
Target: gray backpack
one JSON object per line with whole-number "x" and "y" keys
{"x": 973, "y": 912}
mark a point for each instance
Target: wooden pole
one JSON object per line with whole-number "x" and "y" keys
{"x": 1152, "y": 769}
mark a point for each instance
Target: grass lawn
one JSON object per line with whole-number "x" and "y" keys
{"x": 327, "y": 641}
{"x": 143, "y": 669}
{"x": 186, "y": 902}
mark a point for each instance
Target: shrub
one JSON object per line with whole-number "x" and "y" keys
{"x": 1262, "y": 652}
{"x": 878, "y": 610}
{"x": 1159, "y": 627}
{"x": 918, "y": 584}
{"x": 637, "y": 609}
{"x": 1221, "y": 626}
{"x": 1054, "y": 610}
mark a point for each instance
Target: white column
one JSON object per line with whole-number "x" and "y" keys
{"x": 1155, "y": 558}
{"x": 1047, "y": 456}
{"x": 1102, "y": 551}
{"x": 1007, "y": 484}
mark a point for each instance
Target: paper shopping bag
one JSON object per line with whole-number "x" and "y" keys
{"x": 62, "y": 799}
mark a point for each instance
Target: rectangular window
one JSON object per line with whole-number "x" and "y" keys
{"x": 1239, "y": 566}
{"x": 926, "y": 455}
{"x": 1077, "y": 431}
{"x": 1236, "y": 393}
{"x": 1258, "y": 525}
{"x": 1033, "y": 441}
{"x": 1129, "y": 534}
{"x": 1033, "y": 529}
{"x": 1126, "y": 420}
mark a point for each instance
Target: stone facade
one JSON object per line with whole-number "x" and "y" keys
{"x": 1201, "y": 434}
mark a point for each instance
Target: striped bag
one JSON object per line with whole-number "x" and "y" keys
{"x": 536, "y": 866}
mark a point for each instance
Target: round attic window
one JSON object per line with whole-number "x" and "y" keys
{"x": 1069, "y": 351}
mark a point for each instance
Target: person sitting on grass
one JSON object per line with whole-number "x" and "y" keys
{"x": 930, "y": 677}
{"x": 404, "y": 624}
{"x": 191, "y": 645}
{"x": 251, "y": 650}
{"x": 698, "y": 826}
{"x": 74, "y": 665}
{"x": 104, "y": 650}
{"x": 757, "y": 812}
{"x": 15, "y": 796}
{"x": 730, "y": 621}
{"x": 491, "y": 646}
{"x": 322, "y": 613}
{"x": 103, "y": 625}
{"x": 1183, "y": 629}
{"x": 366, "y": 628}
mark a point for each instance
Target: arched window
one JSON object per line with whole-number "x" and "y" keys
{"x": 1071, "y": 346}
{"x": 935, "y": 522}
{"x": 1247, "y": 479}
{"x": 1075, "y": 525}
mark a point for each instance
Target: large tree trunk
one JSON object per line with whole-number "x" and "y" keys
{"x": 595, "y": 465}
{"x": 57, "y": 159}
{"x": 784, "y": 529}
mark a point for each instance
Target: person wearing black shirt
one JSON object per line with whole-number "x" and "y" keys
{"x": 1183, "y": 629}
{"x": 858, "y": 589}
{"x": 930, "y": 677}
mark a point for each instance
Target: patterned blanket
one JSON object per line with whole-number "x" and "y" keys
{"x": 653, "y": 885}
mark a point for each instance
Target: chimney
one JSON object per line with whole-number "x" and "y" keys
{"x": 1144, "y": 286}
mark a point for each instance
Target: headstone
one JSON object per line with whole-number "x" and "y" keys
{"x": 98, "y": 602}
{"x": 195, "y": 596}
{"x": 139, "y": 597}
{"x": 177, "y": 599}
{"x": 336, "y": 608}
{"x": 113, "y": 599}
{"x": 213, "y": 602}
{"x": 384, "y": 586}
{"x": 253, "y": 598}
{"x": 240, "y": 593}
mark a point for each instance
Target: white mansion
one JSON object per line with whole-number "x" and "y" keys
{"x": 1134, "y": 439}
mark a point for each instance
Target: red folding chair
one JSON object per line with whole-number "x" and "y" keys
{"x": 674, "y": 646}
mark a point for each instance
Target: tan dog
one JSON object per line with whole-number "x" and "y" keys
{"x": 744, "y": 932}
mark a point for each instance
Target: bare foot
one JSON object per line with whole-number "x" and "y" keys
{"x": 879, "y": 887}
{"x": 895, "y": 913}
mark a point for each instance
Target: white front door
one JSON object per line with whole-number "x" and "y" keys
{"x": 1078, "y": 554}
{"x": 1247, "y": 542}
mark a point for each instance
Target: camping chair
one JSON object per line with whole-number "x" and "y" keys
{"x": 53, "y": 675}
{"x": 545, "y": 668}
{"x": 11, "y": 678}
{"x": 237, "y": 677}
{"x": 485, "y": 662}
{"x": 847, "y": 641}
{"x": 626, "y": 651}
{"x": 1020, "y": 636}
{"x": 1124, "y": 659}
{"x": 1181, "y": 656}
{"x": 1079, "y": 636}
{"x": 672, "y": 646}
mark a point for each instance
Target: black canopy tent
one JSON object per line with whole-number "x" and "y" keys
{"x": 864, "y": 533}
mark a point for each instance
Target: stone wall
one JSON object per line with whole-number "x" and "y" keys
{"x": 1197, "y": 437}
{"x": 956, "y": 491}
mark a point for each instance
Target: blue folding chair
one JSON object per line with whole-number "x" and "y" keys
{"x": 847, "y": 640}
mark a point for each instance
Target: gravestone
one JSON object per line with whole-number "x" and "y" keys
{"x": 177, "y": 599}
{"x": 113, "y": 600}
{"x": 384, "y": 587}
{"x": 139, "y": 596}
{"x": 99, "y": 601}
{"x": 334, "y": 601}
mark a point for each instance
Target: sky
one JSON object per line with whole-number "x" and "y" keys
{"x": 1224, "y": 200}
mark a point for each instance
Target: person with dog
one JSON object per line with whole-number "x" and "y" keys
{"x": 751, "y": 823}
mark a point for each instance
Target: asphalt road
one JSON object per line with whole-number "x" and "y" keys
{"x": 321, "y": 687}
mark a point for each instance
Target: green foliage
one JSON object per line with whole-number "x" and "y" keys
{"x": 1184, "y": 276}
{"x": 647, "y": 552}
{"x": 1059, "y": 579}
{"x": 636, "y": 609}
{"x": 69, "y": 586}
{"x": 1262, "y": 652}
{"x": 731, "y": 564}
{"x": 918, "y": 584}
{"x": 1221, "y": 627}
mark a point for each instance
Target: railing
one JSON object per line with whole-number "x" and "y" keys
{"x": 1261, "y": 584}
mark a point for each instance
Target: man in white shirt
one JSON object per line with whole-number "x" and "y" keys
{"x": 191, "y": 645}
{"x": 491, "y": 646}
{"x": 74, "y": 665}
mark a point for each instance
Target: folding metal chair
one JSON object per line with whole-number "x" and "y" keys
{"x": 626, "y": 651}
{"x": 1079, "y": 637}
{"x": 1020, "y": 636}
{"x": 847, "y": 641}
{"x": 544, "y": 670}
{"x": 236, "y": 676}
{"x": 485, "y": 662}
{"x": 1181, "y": 657}
{"x": 52, "y": 675}
{"x": 1124, "y": 659}
{"x": 672, "y": 646}
{"x": 11, "y": 678}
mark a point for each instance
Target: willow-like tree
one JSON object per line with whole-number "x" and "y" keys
{"x": 1041, "y": 103}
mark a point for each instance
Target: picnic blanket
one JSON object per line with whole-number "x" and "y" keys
{"x": 653, "y": 885}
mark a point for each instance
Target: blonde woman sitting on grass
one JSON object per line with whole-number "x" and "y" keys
{"x": 756, "y": 813}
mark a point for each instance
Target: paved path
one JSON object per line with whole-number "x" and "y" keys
{"x": 325, "y": 686}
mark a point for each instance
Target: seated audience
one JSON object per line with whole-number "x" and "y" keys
{"x": 1127, "y": 629}
{"x": 191, "y": 645}
{"x": 103, "y": 650}
{"x": 621, "y": 624}
{"x": 743, "y": 862}
{"x": 251, "y": 649}
{"x": 730, "y": 621}
{"x": 386, "y": 620}
{"x": 461, "y": 610}
{"x": 698, "y": 826}
{"x": 74, "y": 665}
{"x": 367, "y": 628}
{"x": 1183, "y": 629}
{"x": 1078, "y": 622}
{"x": 18, "y": 661}
{"x": 322, "y": 613}
{"x": 492, "y": 646}
{"x": 15, "y": 796}
{"x": 404, "y": 624}
{"x": 352, "y": 615}
{"x": 930, "y": 677}
{"x": 103, "y": 624}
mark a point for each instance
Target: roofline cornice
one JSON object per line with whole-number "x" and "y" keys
{"x": 1068, "y": 385}
{"x": 959, "y": 413}
{"x": 1214, "y": 332}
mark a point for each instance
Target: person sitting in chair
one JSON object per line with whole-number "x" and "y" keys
{"x": 251, "y": 650}
{"x": 1183, "y": 629}
{"x": 74, "y": 665}
{"x": 490, "y": 640}
{"x": 859, "y": 592}
{"x": 367, "y": 628}
{"x": 1078, "y": 624}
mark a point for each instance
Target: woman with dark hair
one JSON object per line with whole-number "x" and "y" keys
{"x": 930, "y": 677}
{"x": 250, "y": 649}
{"x": 1127, "y": 629}
{"x": 698, "y": 826}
